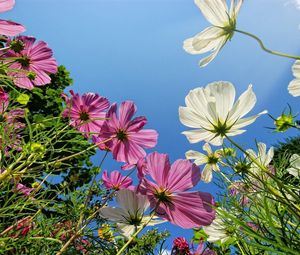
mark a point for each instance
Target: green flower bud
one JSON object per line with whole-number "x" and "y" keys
{"x": 23, "y": 99}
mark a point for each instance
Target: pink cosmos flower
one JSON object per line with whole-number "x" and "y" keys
{"x": 9, "y": 28}
{"x": 128, "y": 138}
{"x": 87, "y": 112}
{"x": 185, "y": 209}
{"x": 116, "y": 181}
{"x": 33, "y": 65}
{"x": 180, "y": 246}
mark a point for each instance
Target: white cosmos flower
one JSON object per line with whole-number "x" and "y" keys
{"x": 131, "y": 214}
{"x": 262, "y": 156}
{"x": 216, "y": 231}
{"x": 211, "y": 159}
{"x": 213, "y": 38}
{"x": 214, "y": 113}
{"x": 294, "y": 165}
{"x": 294, "y": 86}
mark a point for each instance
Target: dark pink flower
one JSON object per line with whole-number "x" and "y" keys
{"x": 33, "y": 65}
{"x": 185, "y": 209}
{"x": 128, "y": 138}
{"x": 9, "y": 28}
{"x": 180, "y": 246}
{"x": 86, "y": 112}
{"x": 116, "y": 181}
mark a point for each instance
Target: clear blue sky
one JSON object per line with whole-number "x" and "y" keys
{"x": 132, "y": 50}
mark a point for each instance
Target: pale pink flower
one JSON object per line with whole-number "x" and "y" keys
{"x": 168, "y": 195}
{"x": 33, "y": 65}
{"x": 9, "y": 28}
{"x": 24, "y": 189}
{"x": 128, "y": 138}
{"x": 86, "y": 112}
{"x": 116, "y": 181}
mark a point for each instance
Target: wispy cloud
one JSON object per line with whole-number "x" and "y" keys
{"x": 296, "y": 3}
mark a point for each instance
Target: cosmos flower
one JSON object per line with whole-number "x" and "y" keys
{"x": 34, "y": 63}
{"x": 262, "y": 156}
{"x": 24, "y": 189}
{"x": 294, "y": 168}
{"x": 128, "y": 138}
{"x": 180, "y": 246}
{"x": 211, "y": 160}
{"x": 212, "y": 110}
{"x": 216, "y": 231}
{"x": 169, "y": 192}
{"x": 213, "y": 38}
{"x": 86, "y": 112}
{"x": 9, "y": 28}
{"x": 130, "y": 217}
{"x": 116, "y": 181}
{"x": 294, "y": 85}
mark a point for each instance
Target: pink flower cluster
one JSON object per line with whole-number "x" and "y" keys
{"x": 119, "y": 132}
{"x": 181, "y": 247}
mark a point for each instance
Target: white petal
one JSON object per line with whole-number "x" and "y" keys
{"x": 235, "y": 8}
{"x": 224, "y": 93}
{"x": 205, "y": 41}
{"x": 206, "y": 174}
{"x": 296, "y": 69}
{"x": 242, "y": 106}
{"x": 205, "y": 61}
{"x": 207, "y": 148}
{"x": 197, "y": 135}
{"x": 190, "y": 118}
{"x": 215, "y": 11}
{"x": 125, "y": 229}
{"x": 246, "y": 121}
{"x": 294, "y": 87}
{"x": 295, "y": 161}
{"x": 155, "y": 220}
{"x": 269, "y": 156}
{"x": 217, "y": 141}
{"x": 131, "y": 202}
{"x": 199, "y": 158}
{"x": 113, "y": 214}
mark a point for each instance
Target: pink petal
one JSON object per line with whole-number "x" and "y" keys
{"x": 158, "y": 166}
{"x": 146, "y": 138}
{"x": 136, "y": 124}
{"x": 6, "y": 5}
{"x": 183, "y": 176}
{"x": 126, "y": 111}
{"x": 10, "y": 28}
{"x": 190, "y": 209}
{"x": 23, "y": 82}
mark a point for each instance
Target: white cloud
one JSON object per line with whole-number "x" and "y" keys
{"x": 296, "y": 3}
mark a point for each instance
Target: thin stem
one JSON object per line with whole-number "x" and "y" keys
{"x": 281, "y": 54}
{"x": 270, "y": 188}
{"x": 77, "y": 233}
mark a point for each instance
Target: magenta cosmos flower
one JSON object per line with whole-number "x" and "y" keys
{"x": 33, "y": 64}
{"x": 116, "y": 181}
{"x": 128, "y": 138}
{"x": 9, "y": 28}
{"x": 169, "y": 194}
{"x": 86, "y": 112}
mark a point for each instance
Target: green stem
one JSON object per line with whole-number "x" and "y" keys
{"x": 271, "y": 189}
{"x": 281, "y": 54}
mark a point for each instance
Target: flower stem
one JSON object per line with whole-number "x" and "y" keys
{"x": 278, "y": 182}
{"x": 261, "y": 44}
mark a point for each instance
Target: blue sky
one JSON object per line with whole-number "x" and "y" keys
{"x": 132, "y": 50}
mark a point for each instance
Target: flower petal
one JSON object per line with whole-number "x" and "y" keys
{"x": 215, "y": 11}
{"x": 294, "y": 87}
{"x": 183, "y": 175}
